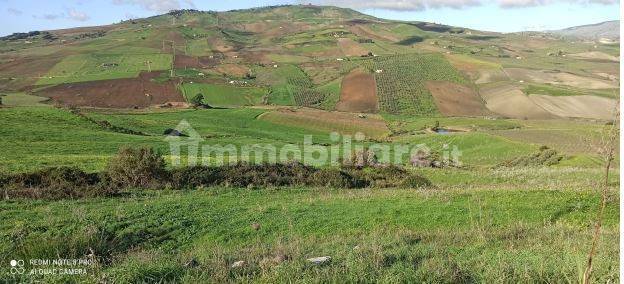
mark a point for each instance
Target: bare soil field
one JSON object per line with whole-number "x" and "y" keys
{"x": 185, "y": 61}
{"x": 509, "y": 101}
{"x": 577, "y": 106}
{"x": 491, "y": 75}
{"x": 137, "y": 92}
{"x": 595, "y": 55}
{"x": 358, "y": 92}
{"x": 232, "y": 70}
{"x": 371, "y": 125}
{"x": 219, "y": 45}
{"x": 456, "y": 100}
{"x": 19, "y": 73}
{"x": 351, "y": 48}
{"x": 364, "y": 31}
{"x": 481, "y": 72}
{"x": 558, "y": 78}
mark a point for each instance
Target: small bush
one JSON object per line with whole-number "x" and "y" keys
{"x": 197, "y": 100}
{"x": 334, "y": 178}
{"x": 198, "y": 176}
{"x": 137, "y": 167}
{"x": 415, "y": 181}
{"x": 244, "y": 174}
{"x": 362, "y": 159}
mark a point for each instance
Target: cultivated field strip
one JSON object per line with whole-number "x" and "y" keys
{"x": 401, "y": 81}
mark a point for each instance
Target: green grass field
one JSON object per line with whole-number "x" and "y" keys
{"x": 91, "y": 67}
{"x": 21, "y": 99}
{"x": 481, "y": 235}
{"x": 224, "y": 95}
{"x": 484, "y": 220}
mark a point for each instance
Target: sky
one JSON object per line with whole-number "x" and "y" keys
{"x": 489, "y": 15}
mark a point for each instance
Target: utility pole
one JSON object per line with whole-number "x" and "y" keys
{"x": 173, "y": 53}
{"x": 173, "y": 61}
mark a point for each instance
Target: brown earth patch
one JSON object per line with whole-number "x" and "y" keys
{"x": 185, "y": 61}
{"x": 577, "y": 106}
{"x": 372, "y": 125}
{"x": 455, "y": 99}
{"x": 509, "y": 101}
{"x": 351, "y": 48}
{"x": 137, "y": 92}
{"x": 219, "y": 45}
{"x": 364, "y": 31}
{"x": 254, "y": 57}
{"x": 20, "y": 73}
{"x": 559, "y": 78}
{"x": 358, "y": 92}
{"x": 595, "y": 55}
{"x": 232, "y": 70}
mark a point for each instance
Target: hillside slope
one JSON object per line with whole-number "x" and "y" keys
{"x": 297, "y": 55}
{"x": 609, "y": 30}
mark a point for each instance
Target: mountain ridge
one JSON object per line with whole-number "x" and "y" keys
{"x": 606, "y": 30}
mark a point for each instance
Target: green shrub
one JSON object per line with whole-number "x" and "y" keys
{"x": 197, "y": 100}
{"x": 55, "y": 183}
{"x": 334, "y": 178}
{"x": 144, "y": 168}
{"x": 137, "y": 167}
{"x": 415, "y": 181}
{"x": 245, "y": 174}
{"x": 198, "y": 176}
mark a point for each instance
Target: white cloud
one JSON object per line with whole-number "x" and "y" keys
{"x": 77, "y": 16}
{"x": 49, "y": 17}
{"x": 156, "y": 5}
{"x": 71, "y": 14}
{"x": 534, "y": 3}
{"x": 419, "y": 5}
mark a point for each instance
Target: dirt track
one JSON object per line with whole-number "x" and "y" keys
{"x": 358, "y": 93}
{"x": 137, "y": 92}
{"x": 456, "y": 100}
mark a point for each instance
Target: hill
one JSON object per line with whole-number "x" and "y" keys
{"x": 605, "y": 30}
{"x": 463, "y": 156}
{"x": 298, "y": 55}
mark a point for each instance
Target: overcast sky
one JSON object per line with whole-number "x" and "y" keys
{"x": 491, "y": 15}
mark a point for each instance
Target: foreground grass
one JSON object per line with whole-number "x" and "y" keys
{"x": 394, "y": 235}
